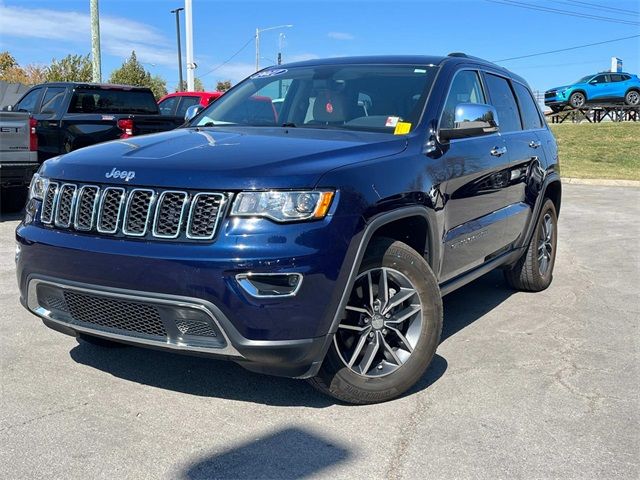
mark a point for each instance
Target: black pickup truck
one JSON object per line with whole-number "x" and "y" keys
{"x": 75, "y": 115}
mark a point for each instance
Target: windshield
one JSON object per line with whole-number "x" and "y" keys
{"x": 380, "y": 98}
{"x": 585, "y": 79}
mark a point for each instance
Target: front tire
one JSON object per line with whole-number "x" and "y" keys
{"x": 577, "y": 100}
{"x": 389, "y": 331}
{"x": 534, "y": 271}
{"x": 632, "y": 98}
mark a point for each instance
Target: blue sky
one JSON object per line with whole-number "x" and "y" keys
{"x": 36, "y": 31}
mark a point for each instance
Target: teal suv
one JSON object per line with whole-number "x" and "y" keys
{"x": 598, "y": 88}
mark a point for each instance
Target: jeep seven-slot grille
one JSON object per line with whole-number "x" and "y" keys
{"x": 134, "y": 212}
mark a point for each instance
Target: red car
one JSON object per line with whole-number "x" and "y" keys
{"x": 177, "y": 103}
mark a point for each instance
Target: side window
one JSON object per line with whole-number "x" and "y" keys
{"x": 168, "y": 106}
{"x": 600, "y": 79}
{"x": 504, "y": 102}
{"x": 528, "y": 109}
{"x": 29, "y": 102}
{"x": 186, "y": 102}
{"x": 52, "y": 99}
{"x": 466, "y": 88}
{"x": 616, "y": 77}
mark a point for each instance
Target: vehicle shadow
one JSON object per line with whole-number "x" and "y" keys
{"x": 289, "y": 453}
{"x": 216, "y": 378}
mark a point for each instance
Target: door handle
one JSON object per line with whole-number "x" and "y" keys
{"x": 534, "y": 144}
{"x": 498, "y": 151}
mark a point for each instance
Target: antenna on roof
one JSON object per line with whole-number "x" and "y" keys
{"x": 458, "y": 54}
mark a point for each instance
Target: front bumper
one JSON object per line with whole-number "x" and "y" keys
{"x": 280, "y": 336}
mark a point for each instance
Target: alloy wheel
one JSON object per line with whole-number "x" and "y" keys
{"x": 381, "y": 324}
{"x": 633, "y": 98}
{"x": 545, "y": 244}
{"x": 577, "y": 100}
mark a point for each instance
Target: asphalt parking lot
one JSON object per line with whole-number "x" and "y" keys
{"x": 523, "y": 386}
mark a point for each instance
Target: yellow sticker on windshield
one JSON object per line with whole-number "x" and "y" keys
{"x": 402, "y": 128}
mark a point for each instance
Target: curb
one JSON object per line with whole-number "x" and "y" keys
{"x": 602, "y": 181}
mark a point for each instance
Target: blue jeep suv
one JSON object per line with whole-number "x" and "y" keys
{"x": 597, "y": 88}
{"x": 314, "y": 241}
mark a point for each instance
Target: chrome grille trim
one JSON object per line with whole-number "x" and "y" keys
{"x": 134, "y": 212}
{"x": 158, "y": 215}
{"x": 101, "y": 210}
{"x": 65, "y": 205}
{"x": 149, "y": 207}
{"x": 79, "y": 222}
{"x": 49, "y": 203}
{"x": 194, "y": 213}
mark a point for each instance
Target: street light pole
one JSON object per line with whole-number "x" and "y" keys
{"x": 188, "y": 31}
{"x": 258, "y": 32}
{"x": 96, "y": 68}
{"x": 177, "y": 12}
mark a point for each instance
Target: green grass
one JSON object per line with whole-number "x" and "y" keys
{"x": 600, "y": 150}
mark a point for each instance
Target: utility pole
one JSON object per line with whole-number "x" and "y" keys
{"x": 191, "y": 66}
{"x": 281, "y": 37}
{"x": 96, "y": 64}
{"x": 177, "y": 12}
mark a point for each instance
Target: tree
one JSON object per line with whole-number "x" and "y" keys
{"x": 198, "y": 86}
{"x": 223, "y": 86}
{"x": 133, "y": 73}
{"x": 7, "y": 61}
{"x": 72, "y": 68}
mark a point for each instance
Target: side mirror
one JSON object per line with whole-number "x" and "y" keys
{"x": 472, "y": 120}
{"x": 192, "y": 111}
{"x": 7, "y": 108}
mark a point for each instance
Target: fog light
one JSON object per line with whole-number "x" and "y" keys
{"x": 270, "y": 285}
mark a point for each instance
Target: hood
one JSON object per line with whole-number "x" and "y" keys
{"x": 559, "y": 88}
{"x": 223, "y": 158}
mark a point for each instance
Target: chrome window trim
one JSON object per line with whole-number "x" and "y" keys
{"x": 56, "y": 217}
{"x": 56, "y": 186}
{"x": 126, "y": 211}
{"x": 242, "y": 279}
{"x": 94, "y": 210}
{"x": 158, "y": 208}
{"x": 100, "y": 209}
{"x": 221, "y": 208}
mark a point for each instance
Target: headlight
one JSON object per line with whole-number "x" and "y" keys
{"x": 38, "y": 187}
{"x": 283, "y": 206}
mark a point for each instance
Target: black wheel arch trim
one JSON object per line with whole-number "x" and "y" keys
{"x": 551, "y": 178}
{"x": 360, "y": 246}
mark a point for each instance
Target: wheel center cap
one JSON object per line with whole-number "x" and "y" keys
{"x": 377, "y": 321}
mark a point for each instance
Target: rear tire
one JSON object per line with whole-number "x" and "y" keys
{"x": 402, "y": 347}
{"x": 632, "y": 98}
{"x": 534, "y": 271}
{"x": 100, "y": 342}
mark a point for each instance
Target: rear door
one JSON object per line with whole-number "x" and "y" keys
{"x": 51, "y": 111}
{"x": 477, "y": 173}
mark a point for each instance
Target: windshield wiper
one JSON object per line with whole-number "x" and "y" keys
{"x": 289, "y": 124}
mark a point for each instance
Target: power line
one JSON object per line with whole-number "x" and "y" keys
{"x": 228, "y": 59}
{"x": 564, "y": 12}
{"x": 605, "y": 8}
{"x": 567, "y": 49}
